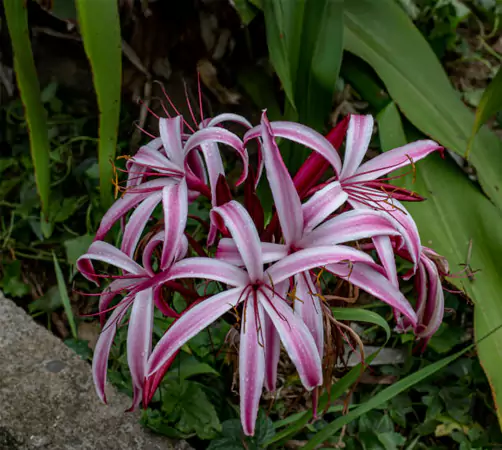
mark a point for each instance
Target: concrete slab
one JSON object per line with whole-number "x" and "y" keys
{"x": 47, "y": 398}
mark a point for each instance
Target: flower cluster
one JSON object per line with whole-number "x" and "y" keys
{"x": 269, "y": 273}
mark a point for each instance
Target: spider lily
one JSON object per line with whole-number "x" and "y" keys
{"x": 170, "y": 161}
{"x": 267, "y": 317}
{"x": 140, "y": 301}
{"x": 305, "y": 227}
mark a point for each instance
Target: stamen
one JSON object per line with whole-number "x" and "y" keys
{"x": 200, "y": 97}
{"x": 174, "y": 107}
{"x": 189, "y": 104}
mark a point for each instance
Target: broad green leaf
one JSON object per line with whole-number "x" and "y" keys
{"x": 187, "y": 405}
{"x": 188, "y": 367}
{"x": 76, "y": 247}
{"x": 361, "y": 315}
{"x": 459, "y": 222}
{"x": 381, "y": 398}
{"x": 100, "y": 29}
{"x": 305, "y": 41}
{"x": 490, "y": 103}
{"x": 418, "y": 84}
{"x": 12, "y": 282}
{"x": 27, "y": 81}
{"x": 64, "y": 297}
{"x": 246, "y": 10}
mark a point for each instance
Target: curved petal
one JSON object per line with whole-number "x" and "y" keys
{"x": 153, "y": 159}
{"x": 215, "y": 168}
{"x": 311, "y": 258}
{"x": 139, "y": 340}
{"x": 227, "y": 251}
{"x": 243, "y": 230}
{"x": 350, "y": 226}
{"x": 322, "y": 204}
{"x": 251, "y": 364}
{"x": 272, "y": 353}
{"x": 175, "y": 205}
{"x": 356, "y": 145}
{"x": 376, "y": 284}
{"x": 228, "y": 117}
{"x": 191, "y": 323}
{"x": 394, "y": 159}
{"x": 170, "y": 133}
{"x": 104, "y": 345}
{"x": 223, "y": 136}
{"x": 434, "y": 309}
{"x": 385, "y": 250}
{"x": 134, "y": 195}
{"x": 137, "y": 222}
{"x": 403, "y": 222}
{"x": 297, "y": 340}
{"x": 102, "y": 251}
{"x": 109, "y": 293}
{"x": 149, "y": 249}
{"x": 208, "y": 268}
{"x": 308, "y": 307}
{"x": 302, "y": 135}
{"x": 286, "y": 199}
{"x": 315, "y": 165}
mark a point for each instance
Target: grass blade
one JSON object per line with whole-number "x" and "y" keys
{"x": 491, "y": 102}
{"x": 64, "y": 296}
{"x": 381, "y": 398}
{"x": 100, "y": 29}
{"x": 27, "y": 81}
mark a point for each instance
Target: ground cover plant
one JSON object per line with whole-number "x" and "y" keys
{"x": 250, "y": 252}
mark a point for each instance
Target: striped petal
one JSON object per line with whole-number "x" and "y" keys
{"x": 394, "y": 159}
{"x": 372, "y": 281}
{"x": 175, "y": 205}
{"x": 193, "y": 321}
{"x": 304, "y": 260}
{"x": 322, "y": 204}
{"x": 286, "y": 199}
{"x": 170, "y": 133}
{"x": 139, "y": 340}
{"x": 356, "y": 145}
{"x": 137, "y": 222}
{"x": 243, "y": 231}
{"x": 350, "y": 226}
{"x": 227, "y": 251}
{"x": 109, "y": 293}
{"x": 251, "y": 364}
{"x": 302, "y": 135}
{"x": 434, "y": 309}
{"x": 309, "y": 308}
{"x": 222, "y": 136}
{"x": 297, "y": 340}
{"x": 104, "y": 345}
{"x": 272, "y": 353}
{"x": 104, "y": 252}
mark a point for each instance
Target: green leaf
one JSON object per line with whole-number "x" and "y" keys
{"x": 76, "y": 247}
{"x": 361, "y": 315}
{"x": 189, "y": 366}
{"x": 12, "y": 283}
{"x": 188, "y": 406}
{"x": 418, "y": 84}
{"x": 100, "y": 29}
{"x": 305, "y": 41}
{"x": 64, "y": 296}
{"x": 459, "y": 222}
{"x": 446, "y": 338}
{"x": 80, "y": 347}
{"x": 380, "y": 398}
{"x": 27, "y": 81}
{"x": 232, "y": 437}
{"x": 490, "y": 103}
{"x": 50, "y": 301}
{"x": 245, "y": 9}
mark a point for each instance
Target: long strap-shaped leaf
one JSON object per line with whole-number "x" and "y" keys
{"x": 100, "y": 29}
{"x": 381, "y": 398}
{"x": 27, "y": 81}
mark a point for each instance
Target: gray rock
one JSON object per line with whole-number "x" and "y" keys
{"x": 47, "y": 398}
